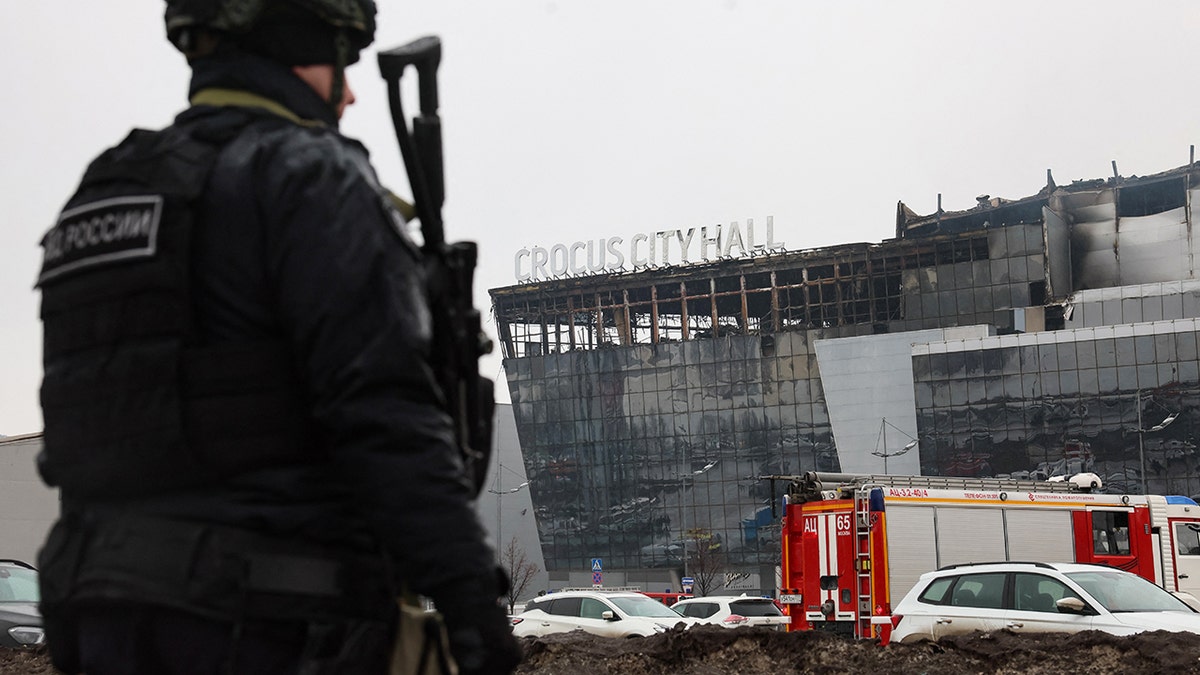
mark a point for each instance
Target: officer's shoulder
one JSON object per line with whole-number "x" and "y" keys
{"x": 248, "y": 125}
{"x": 141, "y": 145}
{"x": 312, "y": 148}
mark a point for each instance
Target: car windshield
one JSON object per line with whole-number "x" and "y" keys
{"x": 18, "y": 584}
{"x": 1124, "y": 592}
{"x": 644, "y": 606}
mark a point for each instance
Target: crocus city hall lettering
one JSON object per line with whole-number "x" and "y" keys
{"x": 645, "y": 250}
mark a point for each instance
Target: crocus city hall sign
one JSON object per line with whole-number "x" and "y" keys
{"x": 645, "y": 250}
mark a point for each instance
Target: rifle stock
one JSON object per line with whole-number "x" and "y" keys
{"x": 458, "y": 337}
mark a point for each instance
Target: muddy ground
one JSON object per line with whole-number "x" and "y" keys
{"x": 713, "y": 650}
{"x": 710, "y": 650}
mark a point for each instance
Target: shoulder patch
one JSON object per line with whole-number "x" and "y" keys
{"x": 101, "y": 232}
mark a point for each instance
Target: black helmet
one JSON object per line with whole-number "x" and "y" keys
{"x": 294, "y": 32}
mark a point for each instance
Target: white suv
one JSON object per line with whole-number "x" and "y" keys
{"x": 733, "y": 611}
{"x": 606, "y": 613}
{"x": 1036, "y": 598}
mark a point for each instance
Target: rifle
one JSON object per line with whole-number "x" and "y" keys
{"x": 458, "y": 337}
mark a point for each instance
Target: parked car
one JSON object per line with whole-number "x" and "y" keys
{"x": 671, "y": 552}
{"x": 20, "y": 621}
{"x": 662, "y": 555}
{"x": 1036, "y": 598}
{"x": 733, "y": 611}
{"x": 606, "y": 613}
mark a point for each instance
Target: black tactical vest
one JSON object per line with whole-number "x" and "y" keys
{"x": 133, "y": 404}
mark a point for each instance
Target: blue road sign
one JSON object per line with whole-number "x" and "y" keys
{"x": 596, "y": 566}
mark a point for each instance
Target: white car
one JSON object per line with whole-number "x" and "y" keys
{"x": 733, "y": 611}
{"x": 606, "y": 613}
{"x": 1036, "y": 598}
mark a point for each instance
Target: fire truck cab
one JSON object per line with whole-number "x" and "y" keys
{"x": 853, "y": 545}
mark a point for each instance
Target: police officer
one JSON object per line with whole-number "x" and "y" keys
{"x": 239, "y": 406}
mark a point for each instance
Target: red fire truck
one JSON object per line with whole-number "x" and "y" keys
{"x": 669, "y": 598}
{"x": 853, "y": 545}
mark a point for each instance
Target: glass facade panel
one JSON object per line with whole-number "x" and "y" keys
{"x": 1085, "y": 354}
{"x": 1126, "y": 355}
{"x": 976, "y": 390}
{"x": 1048, "y": 358}
{"x": 1147, "y": 376}
{"x": 920, "y": 365}
{"x": 1067, "y": 356}
{"x": 1188, "y": 371}
{"x": 994, "y": 389}
{"x": 1071, "y": 419}
{"x": 956, "y": 365}
{"x": 958, "y": 392}
{"x": 1089, "y": 382}
{"x": 1143, "y": 347}
{"x": 1010, "y": 360}
{"x": 623, "y": 472}
{"x": 1106, "y": 353}
{"x": 1185, "y": 346}
{"x": 1069, "y": 382}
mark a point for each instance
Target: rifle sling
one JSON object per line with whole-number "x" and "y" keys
{"x": 217, "y": 96}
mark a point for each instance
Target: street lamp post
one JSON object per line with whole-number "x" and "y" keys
{"x": 499, "y": 500}
{"x": 883, "y": 437}
{"x": 1141, "y": 432}
{"x": 683, "y": 512}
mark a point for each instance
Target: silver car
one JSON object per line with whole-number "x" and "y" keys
{"x": 1036, "y": 598}
{"x": 20, "y": 621}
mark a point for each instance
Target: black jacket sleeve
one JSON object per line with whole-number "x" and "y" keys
{"x": 347, "y": 288}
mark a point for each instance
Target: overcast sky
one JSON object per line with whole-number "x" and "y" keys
{"x": 570, "y": 120}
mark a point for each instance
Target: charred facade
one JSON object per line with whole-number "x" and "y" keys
{"x": 1021, "y": 337}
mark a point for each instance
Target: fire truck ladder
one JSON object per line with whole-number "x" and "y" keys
{"x": 814, "y": 485}
{"x": 862, "y": 559}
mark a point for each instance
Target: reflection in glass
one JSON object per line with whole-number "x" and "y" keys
{"x": 1143, "y": 349}
{"x": 1125, "y": 351}
{"x": 1185, "y": 346}
{"x": 1065, "y": 420}
{"x": 1089, "y": 382}
{"x": 1048, "y": 357}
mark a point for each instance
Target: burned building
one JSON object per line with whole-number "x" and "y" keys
{"x": 1024, "y": 337}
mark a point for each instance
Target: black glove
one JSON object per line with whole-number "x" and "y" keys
{"x": 480, "y": 632}
{"x": 487, "y": 645}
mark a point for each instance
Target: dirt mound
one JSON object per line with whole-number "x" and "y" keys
{"x": 25, "y": 662}
{"x": 713, "y": 650}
